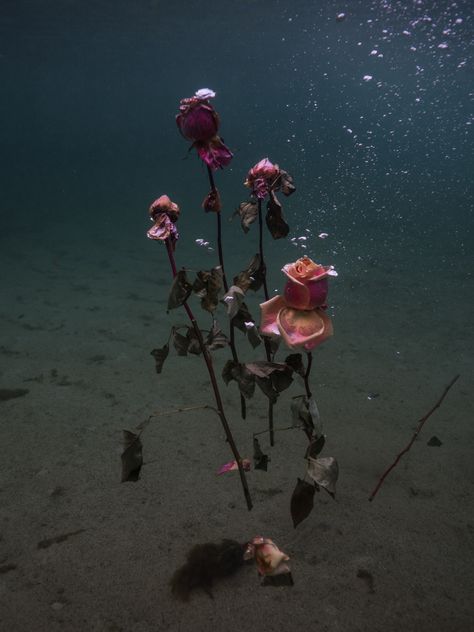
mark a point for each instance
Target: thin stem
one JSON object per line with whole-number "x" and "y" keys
{"x": 309, "y": 355}
{"x": 215, "y": 388}
{"x": 268, "y": 349}
{"x": 243, "y": 405}
{"x": 421, "y": 423}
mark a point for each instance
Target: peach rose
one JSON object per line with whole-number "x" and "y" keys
{"x": 164, "y": 213}
{"x": 268, "y": 557}
{"x": 299, "y": 316}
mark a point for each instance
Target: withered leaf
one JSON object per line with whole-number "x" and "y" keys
{"x": 248, "y": 212}
{"x": 194, "y": 346}
{"x": 216, "y": 339}
{"x": 275, "y": 221}
{"x": 180, "y": 290}
{"x": 212, "y": 202}
{"x": 252, "y": 277}
{"x": 305, "y": 411}
{"x": 260, "y": 460}
{"x": 245, "y": 380}
{"x": 266, "y": 386}
{"x": 180, "y": 342}
{"x": 324, "y": 471}
{"x": 132, "y": 459}
{"x": 262, "y": 368}
{"x": 253, "y": 335}
{"x": 302, "y": 501}
{"x": 207, "y": 286}
{"x": 243, "y": 316}
{"x": 295, "y": 360}
{"x": 286, "y": 183}
{"x": 281, "y": 380}
{"x": 233, "y": 299}
{"x": 160, "y": 356}
{"x": 315, "y": 447}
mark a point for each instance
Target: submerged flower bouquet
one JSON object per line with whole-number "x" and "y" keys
{"x": 297, "y": 318}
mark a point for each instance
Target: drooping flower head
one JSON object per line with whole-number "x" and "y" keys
{"x": 262, "y": 177}
{"x": 299, "y": 316}
{"x": 199, "y": 123}
{"x": 164, "y": 213}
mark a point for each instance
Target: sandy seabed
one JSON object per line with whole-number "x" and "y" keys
{"x": 77, "y": 327}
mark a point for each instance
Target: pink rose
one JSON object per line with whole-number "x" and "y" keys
{"x": 299, "y": 316}
{"x": 199, "y": 123}
{"x": 262, "y": 177}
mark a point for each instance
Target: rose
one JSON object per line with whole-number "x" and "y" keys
{"x": 199, "y": 122}
{"x": 307, "y": 285}
{"x": 164, "y": 213}
{"x": 299, "y": 316}
{"x": 262, "y": 177}
{"x": 268, "y": 557}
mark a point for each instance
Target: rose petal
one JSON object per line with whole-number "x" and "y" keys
{"x": 270, "y": 310}
{"x": 232, "y": 466}
{"x": 303, "y": 328}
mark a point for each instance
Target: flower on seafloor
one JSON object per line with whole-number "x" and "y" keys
{"x": 231, "y": 466}
{"x": 298, "y": 317}
{"x": 268, "y": 557}
{"x": 262, "y": 178}
{"x": 164, "y": 213}
{"x": 199, "y": 123}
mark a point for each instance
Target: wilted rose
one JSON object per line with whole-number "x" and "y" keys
{"x": 199, "y": 123}
{"x": 268, "y": 557}
{"x": 164, "y": 213}
{"x": 262, "y": 177}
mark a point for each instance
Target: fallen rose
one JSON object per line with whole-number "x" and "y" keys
{"x": 268, "y": 557}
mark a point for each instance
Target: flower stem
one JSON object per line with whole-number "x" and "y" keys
{"x": 309, "y": 355}
{"x": 268, "y": 349}
{"x": 243, "y": 405}
{"x": 212, "y": 376}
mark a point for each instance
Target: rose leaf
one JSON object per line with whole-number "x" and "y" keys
{"x": 324, "y": 471}
{"x": 160, "y": 356}
{"x": 180, "y": 342}
{"x": 302, "y": 501}
{"x": 248, "y": 212}
{"x": 233, "y": 299}
{"x": 315, "y": 447}
{"x": 180, "y": 290}
{"x": 216, "y": 339}
{"x": 295, "y": 360}
{"x": 275, "y": 221}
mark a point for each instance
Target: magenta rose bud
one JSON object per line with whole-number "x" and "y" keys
{"x": 308, "y": 295}
{"x": 198, "y": 121}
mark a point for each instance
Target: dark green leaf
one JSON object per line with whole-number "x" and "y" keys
{"x": 160, "y": 356}
{"x": 180, "y": 290}
{"x": 132, "y": 459}
{"x": 260, "y": 459}
{"x": 248, "y": 213}
{"x": 275, "y": 221}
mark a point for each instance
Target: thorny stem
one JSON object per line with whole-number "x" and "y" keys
{"x": 215, "y": 388}
{"x": 243, "y": 405}
{"x": 421, "y": 423}
{"x": 268, "y": 349}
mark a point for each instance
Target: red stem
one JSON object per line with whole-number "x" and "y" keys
{"x": 421, "y": 423}
{"x": 215, "y": 388}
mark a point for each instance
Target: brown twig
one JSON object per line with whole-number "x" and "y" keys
{"x": 215, "y": 388}
{"x": 421, "y": 423}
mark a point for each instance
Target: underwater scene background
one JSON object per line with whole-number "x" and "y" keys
{"x": 368, "y": 104}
